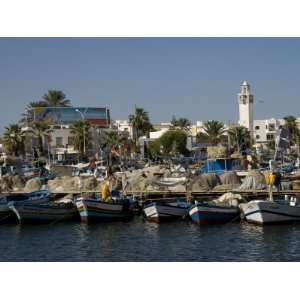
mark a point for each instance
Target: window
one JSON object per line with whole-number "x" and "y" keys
{"x": 59, "y": 141}
{"x": 271, "y": 127}
{"x": 257, "y": 136}
{"x": 257, "y": 127}
{"x": 270, "y": 137}
{"x": 70, "y": 140}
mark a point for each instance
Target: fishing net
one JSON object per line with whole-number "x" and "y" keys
{"x": 204, "y": 182}
{"x": 229, "y": 199}
{"x": 254, "y": 181}
{"x": 33, "y": 185}
{"x": 229, "y": 181}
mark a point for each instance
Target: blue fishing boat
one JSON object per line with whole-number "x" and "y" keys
{"x": 92, "y": 209}
{"x": 206, "y": 213}
{"x": 44, "y": 212}
{"x": 7, "y": 215}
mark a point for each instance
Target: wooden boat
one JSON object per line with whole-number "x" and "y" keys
{"x": 206, "y": 213}
{"x": 45, "y": 212}
{"x": 270, "y": 212}
{"x": 6, "y": 214}
{"x": 95, "y": 210}
{"x": 158, "y": 211}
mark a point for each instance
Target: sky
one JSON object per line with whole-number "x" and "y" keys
{"x": 196, "y": 78}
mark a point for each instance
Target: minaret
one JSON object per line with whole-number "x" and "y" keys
{"x": 246, "y": 107}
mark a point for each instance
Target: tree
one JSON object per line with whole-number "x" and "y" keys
{"x": 14, "y": 139}
{"x": 181, "y": 123}
{"x": 81, "y": 132}
{"x": 213, "y": 132}
{"x": 171, "y": 142}
{"x": 239, "y": 137}
{"x": 41, "y": 129}
{"x": 114, "y": 139}
{"x": 140, "y": 123}
{"x": 55, "y": 98}
{"x": 290, "y": 123}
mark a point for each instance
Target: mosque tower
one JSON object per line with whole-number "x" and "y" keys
{"x": 246, "y": 107}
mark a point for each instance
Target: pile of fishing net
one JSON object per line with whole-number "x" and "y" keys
{"x": 14, "y": 183}
{"x": 69, "y": 184}
{"x": 254, "y": 181}
{"x": 204, "y": 182}
{"x": 145, "y": 179}
{"x": 229, "y": 199}
{"x": 32, "y": 185}
{"x": 229, "y": 181}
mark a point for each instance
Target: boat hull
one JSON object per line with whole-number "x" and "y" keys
{"x": 92, "y": 211}
{"x": 267, "y": 212}
{"x": 158, "y": 212}
{"x": 30, "y": 213}
{"x": 8, "y": 216}
{"x": 207, "y": 214}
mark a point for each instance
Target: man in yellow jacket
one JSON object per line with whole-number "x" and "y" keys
{"x": 105, "y": 191}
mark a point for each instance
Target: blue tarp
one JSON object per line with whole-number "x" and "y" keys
{"x": 218, "y": 166}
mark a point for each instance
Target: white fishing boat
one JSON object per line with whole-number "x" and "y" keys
{"x": 157, "y": 211}
{"x": 271, "y": 212}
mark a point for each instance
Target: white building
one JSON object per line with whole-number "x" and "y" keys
{"x": 265, "y": 130}
{"x": 122, "y": 126}
{"x": 245, "y": 100}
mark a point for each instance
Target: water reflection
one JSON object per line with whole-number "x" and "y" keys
{"x": 139, "y": 240}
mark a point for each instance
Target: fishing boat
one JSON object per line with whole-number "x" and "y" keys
{"x": 93, "y": 209}
{"x": 157, "y": 211}
{"x": 271, "y": 212}
{"x": 206, "y": 213}
{"x": 44, "y": 212}
{"x": 6, "y": 214}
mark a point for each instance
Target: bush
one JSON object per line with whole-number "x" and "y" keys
{"x": 171, "y": 142}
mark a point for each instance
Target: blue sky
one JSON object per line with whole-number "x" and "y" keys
{"x": 197, "y": 78}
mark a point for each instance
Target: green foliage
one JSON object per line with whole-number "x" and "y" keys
{"x": 171, "y": 142}
{"x": 181, "y": 123}
{"x": 14, "y": 139}
{"x": 290, "y": 123}
{"x": 115, "y": 139}
{"x": 240, "y": 137}
{"x": 213, "y": 132}
{"x": 140, "y": 123}
{"x": 80, "y": 131}
{"x": 54, "y": 98}
{"x": 41, "y": 129}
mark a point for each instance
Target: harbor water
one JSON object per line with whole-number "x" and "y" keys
{"x": 139, "y": 240}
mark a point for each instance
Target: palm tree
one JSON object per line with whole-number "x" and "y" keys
{"x": 55, "y": 98}
{"x": 114, "y": 139}
{"x": 81, "y": 131}
{"x": 140, "y": 123}
{"x": 239, "y": 137}
{"x": 213, "y": 131}
{"x": 41, "y": 129}
{"x": 14, "y": 139}
{"x": 290, "y": 123}
{"x": 181, "y": 123}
